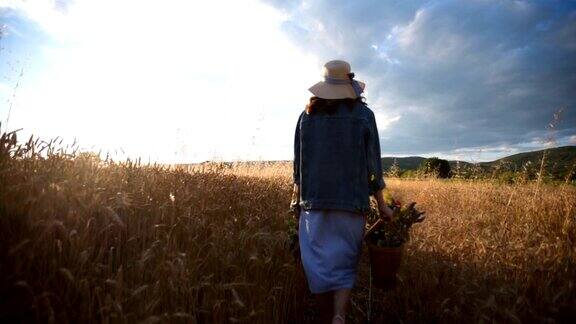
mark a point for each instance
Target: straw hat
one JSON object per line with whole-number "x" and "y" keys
{"x": 338, "y": 82}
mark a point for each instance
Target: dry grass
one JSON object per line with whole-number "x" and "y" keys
{"x": 88, "y": 241}
{"x": 486, "y": 252}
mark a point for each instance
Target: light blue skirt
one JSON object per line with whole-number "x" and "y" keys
{"x": 330, "y": 246}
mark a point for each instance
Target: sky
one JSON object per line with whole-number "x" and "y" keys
{"x": 189, "y": 81}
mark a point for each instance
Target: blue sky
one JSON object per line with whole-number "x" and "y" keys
{"x": 181, "y": 81}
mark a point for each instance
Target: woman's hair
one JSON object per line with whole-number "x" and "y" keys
{"x": 329, "y": 106}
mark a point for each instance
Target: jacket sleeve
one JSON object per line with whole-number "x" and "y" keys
{"x": 375, "y": 176}
{"x": 296, "y": 167}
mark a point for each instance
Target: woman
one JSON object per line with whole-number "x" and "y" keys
{"x": 336, "y": 168}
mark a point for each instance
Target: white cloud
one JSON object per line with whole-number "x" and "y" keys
{"x": 176, "y": 80}
{"x": 5, "y": 88}
{"x": 384, "y": 121}
{"x": 44, "y": 12}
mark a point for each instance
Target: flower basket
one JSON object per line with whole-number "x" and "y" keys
{"x": 385, "y": 241}
{"x": 384, "y": 265}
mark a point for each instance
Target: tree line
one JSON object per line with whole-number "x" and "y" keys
{"x": 435, "y": 167}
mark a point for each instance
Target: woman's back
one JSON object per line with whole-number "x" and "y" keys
{"x": 337, "y": 156}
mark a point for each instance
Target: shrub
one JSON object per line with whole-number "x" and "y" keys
{"x": 435, "y": 166}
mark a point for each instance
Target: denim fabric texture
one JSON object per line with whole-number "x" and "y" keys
{"x": 337, "y": 159}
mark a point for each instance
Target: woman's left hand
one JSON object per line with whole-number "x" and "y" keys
{"x": 295, "y": 202}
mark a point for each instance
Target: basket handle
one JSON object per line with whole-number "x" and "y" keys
{"x": 374, "y": 227}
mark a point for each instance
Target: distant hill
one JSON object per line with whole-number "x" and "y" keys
{"x": 559, "y": 161}
{"x": 559, "y": 156}
{"x": 405, "y": 163}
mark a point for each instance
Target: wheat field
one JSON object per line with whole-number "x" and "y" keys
{"x": 91, "y": 241}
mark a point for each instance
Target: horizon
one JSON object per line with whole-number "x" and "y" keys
{"x": 382, "y": 157}
{"x": 190, "y": 82}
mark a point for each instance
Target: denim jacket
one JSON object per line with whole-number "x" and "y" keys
{"x": 337, "y": 159}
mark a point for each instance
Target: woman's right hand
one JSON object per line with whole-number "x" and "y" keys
{"x": 386, "y": 213}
